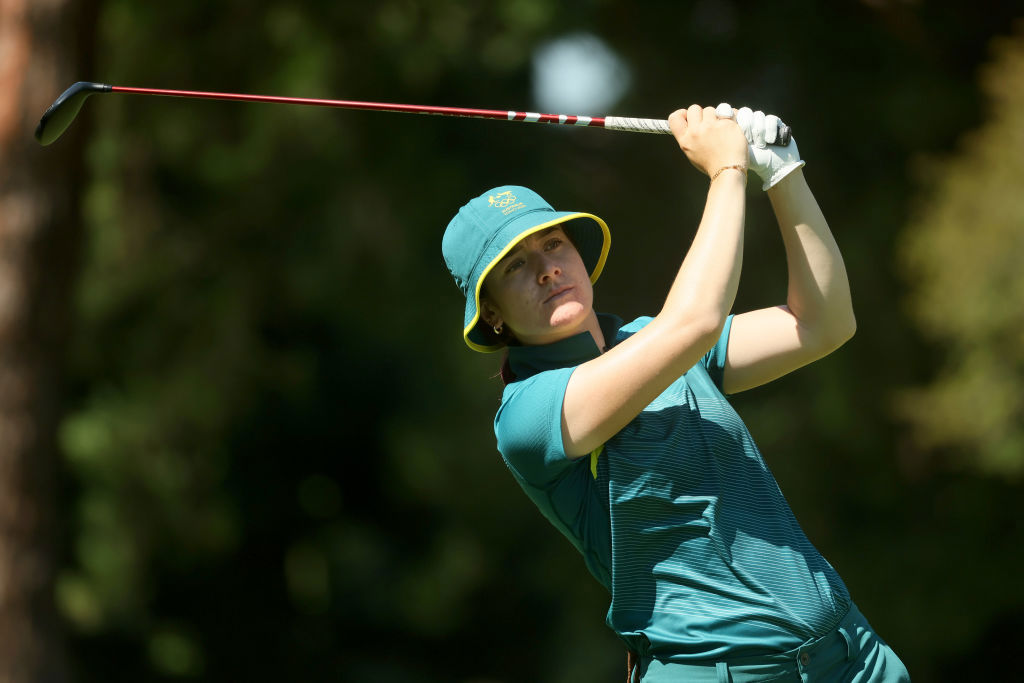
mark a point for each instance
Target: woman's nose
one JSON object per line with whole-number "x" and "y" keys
{"x": 548, "y": 269}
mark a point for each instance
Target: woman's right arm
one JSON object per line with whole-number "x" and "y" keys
{"x": 604, "y": 394}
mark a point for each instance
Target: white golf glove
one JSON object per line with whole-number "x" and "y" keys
{"x": 770, "y": 162}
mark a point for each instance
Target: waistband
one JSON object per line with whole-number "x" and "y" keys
{"x": 836, "y": 645}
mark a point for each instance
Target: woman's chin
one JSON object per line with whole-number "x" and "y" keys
{"x": 568, "y": 314}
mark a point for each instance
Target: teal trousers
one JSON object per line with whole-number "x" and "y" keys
{"x": 852, "y": 653}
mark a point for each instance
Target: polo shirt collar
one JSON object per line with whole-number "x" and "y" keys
{"x": 526, "y": 361}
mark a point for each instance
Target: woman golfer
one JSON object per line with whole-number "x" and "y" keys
{"x": 621, "y": 433}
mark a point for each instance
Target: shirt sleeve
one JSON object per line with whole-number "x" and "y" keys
{"x": 529, "y": 427}
{"x": 714, "y": 360}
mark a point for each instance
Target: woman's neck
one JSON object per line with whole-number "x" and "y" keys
{"x": 594, "y": 327}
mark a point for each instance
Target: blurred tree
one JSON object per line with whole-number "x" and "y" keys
{"x": 963, "y": 252}
{"x": 270, "y": 450}
{"x": 39, "y": 247}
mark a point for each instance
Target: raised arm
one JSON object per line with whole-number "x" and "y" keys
{"x": 817, "y": 317}
{"x": 604, "y": 394}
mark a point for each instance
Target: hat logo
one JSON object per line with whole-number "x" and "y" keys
{"x": 502, "y": 200}
{"x": 506, "y": 201}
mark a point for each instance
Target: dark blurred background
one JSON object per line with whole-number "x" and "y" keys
{"x": 241, "y": 438}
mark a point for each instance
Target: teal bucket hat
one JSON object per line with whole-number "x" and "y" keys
{"x": 486, "y": 228}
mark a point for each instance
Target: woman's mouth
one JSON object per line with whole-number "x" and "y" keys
{"x": 558, "y": 293}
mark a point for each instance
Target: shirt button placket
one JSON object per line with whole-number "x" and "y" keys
{"x": 802, "y": 661}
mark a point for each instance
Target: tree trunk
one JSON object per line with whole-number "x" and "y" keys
{"x": 43, "y": 46}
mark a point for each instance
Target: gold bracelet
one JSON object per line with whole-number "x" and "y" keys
{"x": 738, "y": 167}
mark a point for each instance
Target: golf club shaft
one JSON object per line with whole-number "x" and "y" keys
{"x": 375, "y": 106}
{"x": 61, "y": 113}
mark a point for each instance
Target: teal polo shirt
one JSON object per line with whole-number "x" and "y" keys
{"x": 677, "y": 515}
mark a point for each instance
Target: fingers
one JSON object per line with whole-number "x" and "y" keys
{"x": 744, "y": 117}
{"x": 771, "y": 129}
{"x": 683, "y": 120}
{"x": 677, "y": 123}
{"x": 695, "y": 114}
{"x": 759, "y": 128}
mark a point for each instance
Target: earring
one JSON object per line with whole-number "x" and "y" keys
{"x": 498, "y": 329}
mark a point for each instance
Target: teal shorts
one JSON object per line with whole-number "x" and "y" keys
{"x": 852, "y": 653}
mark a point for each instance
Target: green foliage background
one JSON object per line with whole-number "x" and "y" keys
{"x": 279, "y": 462}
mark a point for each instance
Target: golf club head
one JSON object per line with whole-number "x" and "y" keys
{"x": 62, "y": 112}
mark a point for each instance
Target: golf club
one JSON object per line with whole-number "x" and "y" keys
{"x": 62, "y": 112}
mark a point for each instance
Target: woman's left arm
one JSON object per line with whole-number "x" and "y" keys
{"x": 818, "y": 315}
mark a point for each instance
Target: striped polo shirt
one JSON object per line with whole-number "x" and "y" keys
{"x": 677, "y": 515}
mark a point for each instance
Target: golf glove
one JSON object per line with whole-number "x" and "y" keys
{"x": 771, "y": 163}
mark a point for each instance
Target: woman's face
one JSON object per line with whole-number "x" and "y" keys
{"x": 540, "y": 291}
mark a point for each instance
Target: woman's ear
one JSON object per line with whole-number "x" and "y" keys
{"x": 489, "y": 314}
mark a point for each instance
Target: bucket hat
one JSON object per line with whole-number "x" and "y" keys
{"x": 487, "y": 228}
